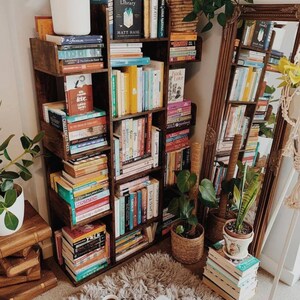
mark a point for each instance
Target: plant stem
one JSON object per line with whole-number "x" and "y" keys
{"x": 13, "y": 161}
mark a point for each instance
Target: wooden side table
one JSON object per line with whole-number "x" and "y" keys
{"x": 33, "y": 231}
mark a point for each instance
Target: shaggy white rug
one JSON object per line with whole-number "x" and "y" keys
{"x": 147, "y": 278}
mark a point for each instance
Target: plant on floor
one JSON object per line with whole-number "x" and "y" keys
{"x": 183, "y": 206}
{"x": 213, "y": 8}
{"x": 8, "y": 192}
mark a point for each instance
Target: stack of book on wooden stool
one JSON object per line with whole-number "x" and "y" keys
{"x": 231, "y": 279}
{"x": 21, "y": 275}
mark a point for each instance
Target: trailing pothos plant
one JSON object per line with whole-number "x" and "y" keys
{"x": 8, "y": 194}
{"x": 223, "y": 10}
{"x": 183, "y": 205}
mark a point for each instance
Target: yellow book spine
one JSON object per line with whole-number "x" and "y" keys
{"x": 248, "y": 84}
{"x": 127, "y": 93}
{"x": 132, "y": 71}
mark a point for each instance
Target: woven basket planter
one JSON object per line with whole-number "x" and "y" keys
{"x": 184, "y": 250}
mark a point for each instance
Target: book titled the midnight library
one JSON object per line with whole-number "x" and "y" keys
{"x": 127, "y": 19}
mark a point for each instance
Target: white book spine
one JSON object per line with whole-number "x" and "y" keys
{"x": 149, "y": 201}
{"x": 155, "y": 198}
{"x": 140, "y": 89}
{"x": 153, "y": 18}
{"x": 92, "y": 212}
{"x": 117, "y": 217}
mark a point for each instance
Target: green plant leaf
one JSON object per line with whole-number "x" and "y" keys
{"x": 10, "y": 197}
{"x": 179, "y": 229}
{"x": 173, "y": 207}
{"x": 218, "y": 4}
{"x": 229, "y": 9}
{"x": 192, "y": 220}
{"x": 25, "y": 176}
{"x": 208, "y": 194}
{"x": 5, "y": 153}
{"x": 35, "y": 150}
{"x": 27, "y": 163}
{"x": 6, "y": 185}
{"x": 222, "y": 19}
{"x": 236, "y": 197}
{"x": 6, "y": 142}
{"x": 22, "y": 168}
{"x": 190, "y": 17}
{"x": 2, "y": 205}
{"x": 207, "y": 27}
{"x": 185, "y": 207}
{"x": 38, "y": 137}
{"x": 25, "y": 141}
{"x": 185, "y": 181}
{"x": 9, "y": 175}
{"x": 11, "y": 221}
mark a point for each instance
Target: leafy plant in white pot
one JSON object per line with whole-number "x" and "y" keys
{"x": 11, "y": 193}
{"x": 238, "y": 234}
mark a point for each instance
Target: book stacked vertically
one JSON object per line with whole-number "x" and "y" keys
{"x": 84, "y": 126}
{"x": 231, "y": 279}
{"x": 179, "y": 9}
{"x": 136, "y": 202}
{"x": 183, "y": 46}
{"x": 85, "y": 250}
{"x": 136, "y": 88}
{"x": 83, "y": 184}
{"x": 78, "y": 52}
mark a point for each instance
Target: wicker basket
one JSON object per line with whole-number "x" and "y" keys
{"x": 184, "y": 250}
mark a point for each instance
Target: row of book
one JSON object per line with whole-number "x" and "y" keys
{"x": 176, "y": 161}
{"x": 136, "y": 89}
{"x": 219, "y": 172}
{"x": 83, "y": 184}
{"x": 84, "y": 250}
{"x": 137, "y": 19}
{"x": 257, "y": 33}
{"x": 78, "y": 53}
{"x": 137, "y": 206}
{"x": 183, "y": 46}
{"x": 229, "y": 278}
{"x": 252, "y": 138}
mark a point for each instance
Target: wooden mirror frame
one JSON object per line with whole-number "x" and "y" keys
{"x": 268, "y": 12}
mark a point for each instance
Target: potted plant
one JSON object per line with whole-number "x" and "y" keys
{"x": 11, "y": 193}
{"x": 238, "y": 234}
{"x": 187, "y": 235}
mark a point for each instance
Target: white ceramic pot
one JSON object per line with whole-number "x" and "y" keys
{"x": 71, "y": 17}
{"x": 235, "y": 247}
{"x": 17, "y": 209}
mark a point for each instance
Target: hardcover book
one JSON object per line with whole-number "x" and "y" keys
{"x": 79, "y": 94}
{"x": 176, "y": 85}
{"x": 74, "y": 39}
{"x": 127, "y": 19}
{"x": 260, "y": 34}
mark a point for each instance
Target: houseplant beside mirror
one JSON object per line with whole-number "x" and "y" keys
{"x": 11, "y": 193}
{"x": 187, "y": 235}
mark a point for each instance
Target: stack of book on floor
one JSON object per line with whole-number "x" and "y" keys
{"x": 83, "y": 184}
{"x": 78, "y": 53}
{"x": 178, "y": 10}
{"x": 85, "y": 250}
{"x": 136, "y": 89}
{"x": 231, "y": 279}
{"x": 136, "y": 202}
{"x": 183, "y": 46}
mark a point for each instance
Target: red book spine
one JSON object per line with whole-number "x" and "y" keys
{"x": 86, "y": 123}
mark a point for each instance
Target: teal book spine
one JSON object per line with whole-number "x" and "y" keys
{"x": 114, "y": 95}
{"x": 161, "y": 27}
{"x": 79, "y": 53}
{"x": 122, "y": 214}
{"x": 247, "y": 264}
{"x": 123, "y": 62}
{"x": 90, "y": 115}
{"x": 91, "y": 271}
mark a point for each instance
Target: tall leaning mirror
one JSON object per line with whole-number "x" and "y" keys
{"x": 246, "y": 101}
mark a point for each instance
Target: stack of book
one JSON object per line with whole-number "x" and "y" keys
{"x": 78, "y": 52}
{"x": 84, "y": 126}
{"x": 274, "y": 60}
{"x": 85, "y": 250}
{"x": 261, "y": 109}
{"x": 136, "y": 146}
{"x": 136, "y": 202}
{"x": 231, "y": 279}
{"x": 130, "y": 243}
{"x": 136, "y": 89}
{"x": 177, "y": 160}
{"x": 257, "y": 34}
{"x": 183, "y": 46}
{"x": 136, "y": 19}
{"x": 83, "y": 184}
{"x": 178, "y": 10}
{"x": 252, "y": 138}
{"x": 124, "y": 50}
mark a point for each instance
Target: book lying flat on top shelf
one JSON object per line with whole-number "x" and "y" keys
{"x": 74, "y": 39}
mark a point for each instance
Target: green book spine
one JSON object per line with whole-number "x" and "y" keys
{"x": 114, "y": 95}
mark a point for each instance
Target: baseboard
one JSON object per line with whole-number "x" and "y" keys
{"x": 287, "y": 276}
{"x": 47, "y": 248}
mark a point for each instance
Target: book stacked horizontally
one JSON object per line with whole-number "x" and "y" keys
{"x": 84, "y": 126}
{"x": 183, "y": 46}
{"x": 136, "y": 202}
{"x": 136, "y": 146}
{"x": 231, "y": 279}
{"x": 136, "y": 88}
{"x": 84, "y": 250}
{"x": 78, "y": 52}
{"x": 83, "y": 184}
{"x": 179, "y": 9}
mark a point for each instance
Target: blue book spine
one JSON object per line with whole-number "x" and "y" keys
{"x": 131, "y": 210}
{"x": 161, "y": 27}
{"x": 122, "y": 214}
{"x": 251, "y": 63}
{"x": 117, "y": 156}
{"x": 81, "y": 39}
{"x": 127, "y": 212}
{"x": 241, "y": 79}
{"x": 122, "y": 62}
{"x": 90, "y": 115}
{"x": 178, "y": 137}
{"x": 90, "y": 271}
{"x": 139, "y": 197}
{"x": 90, "y": 146}
{"x": 79, "y": 53}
